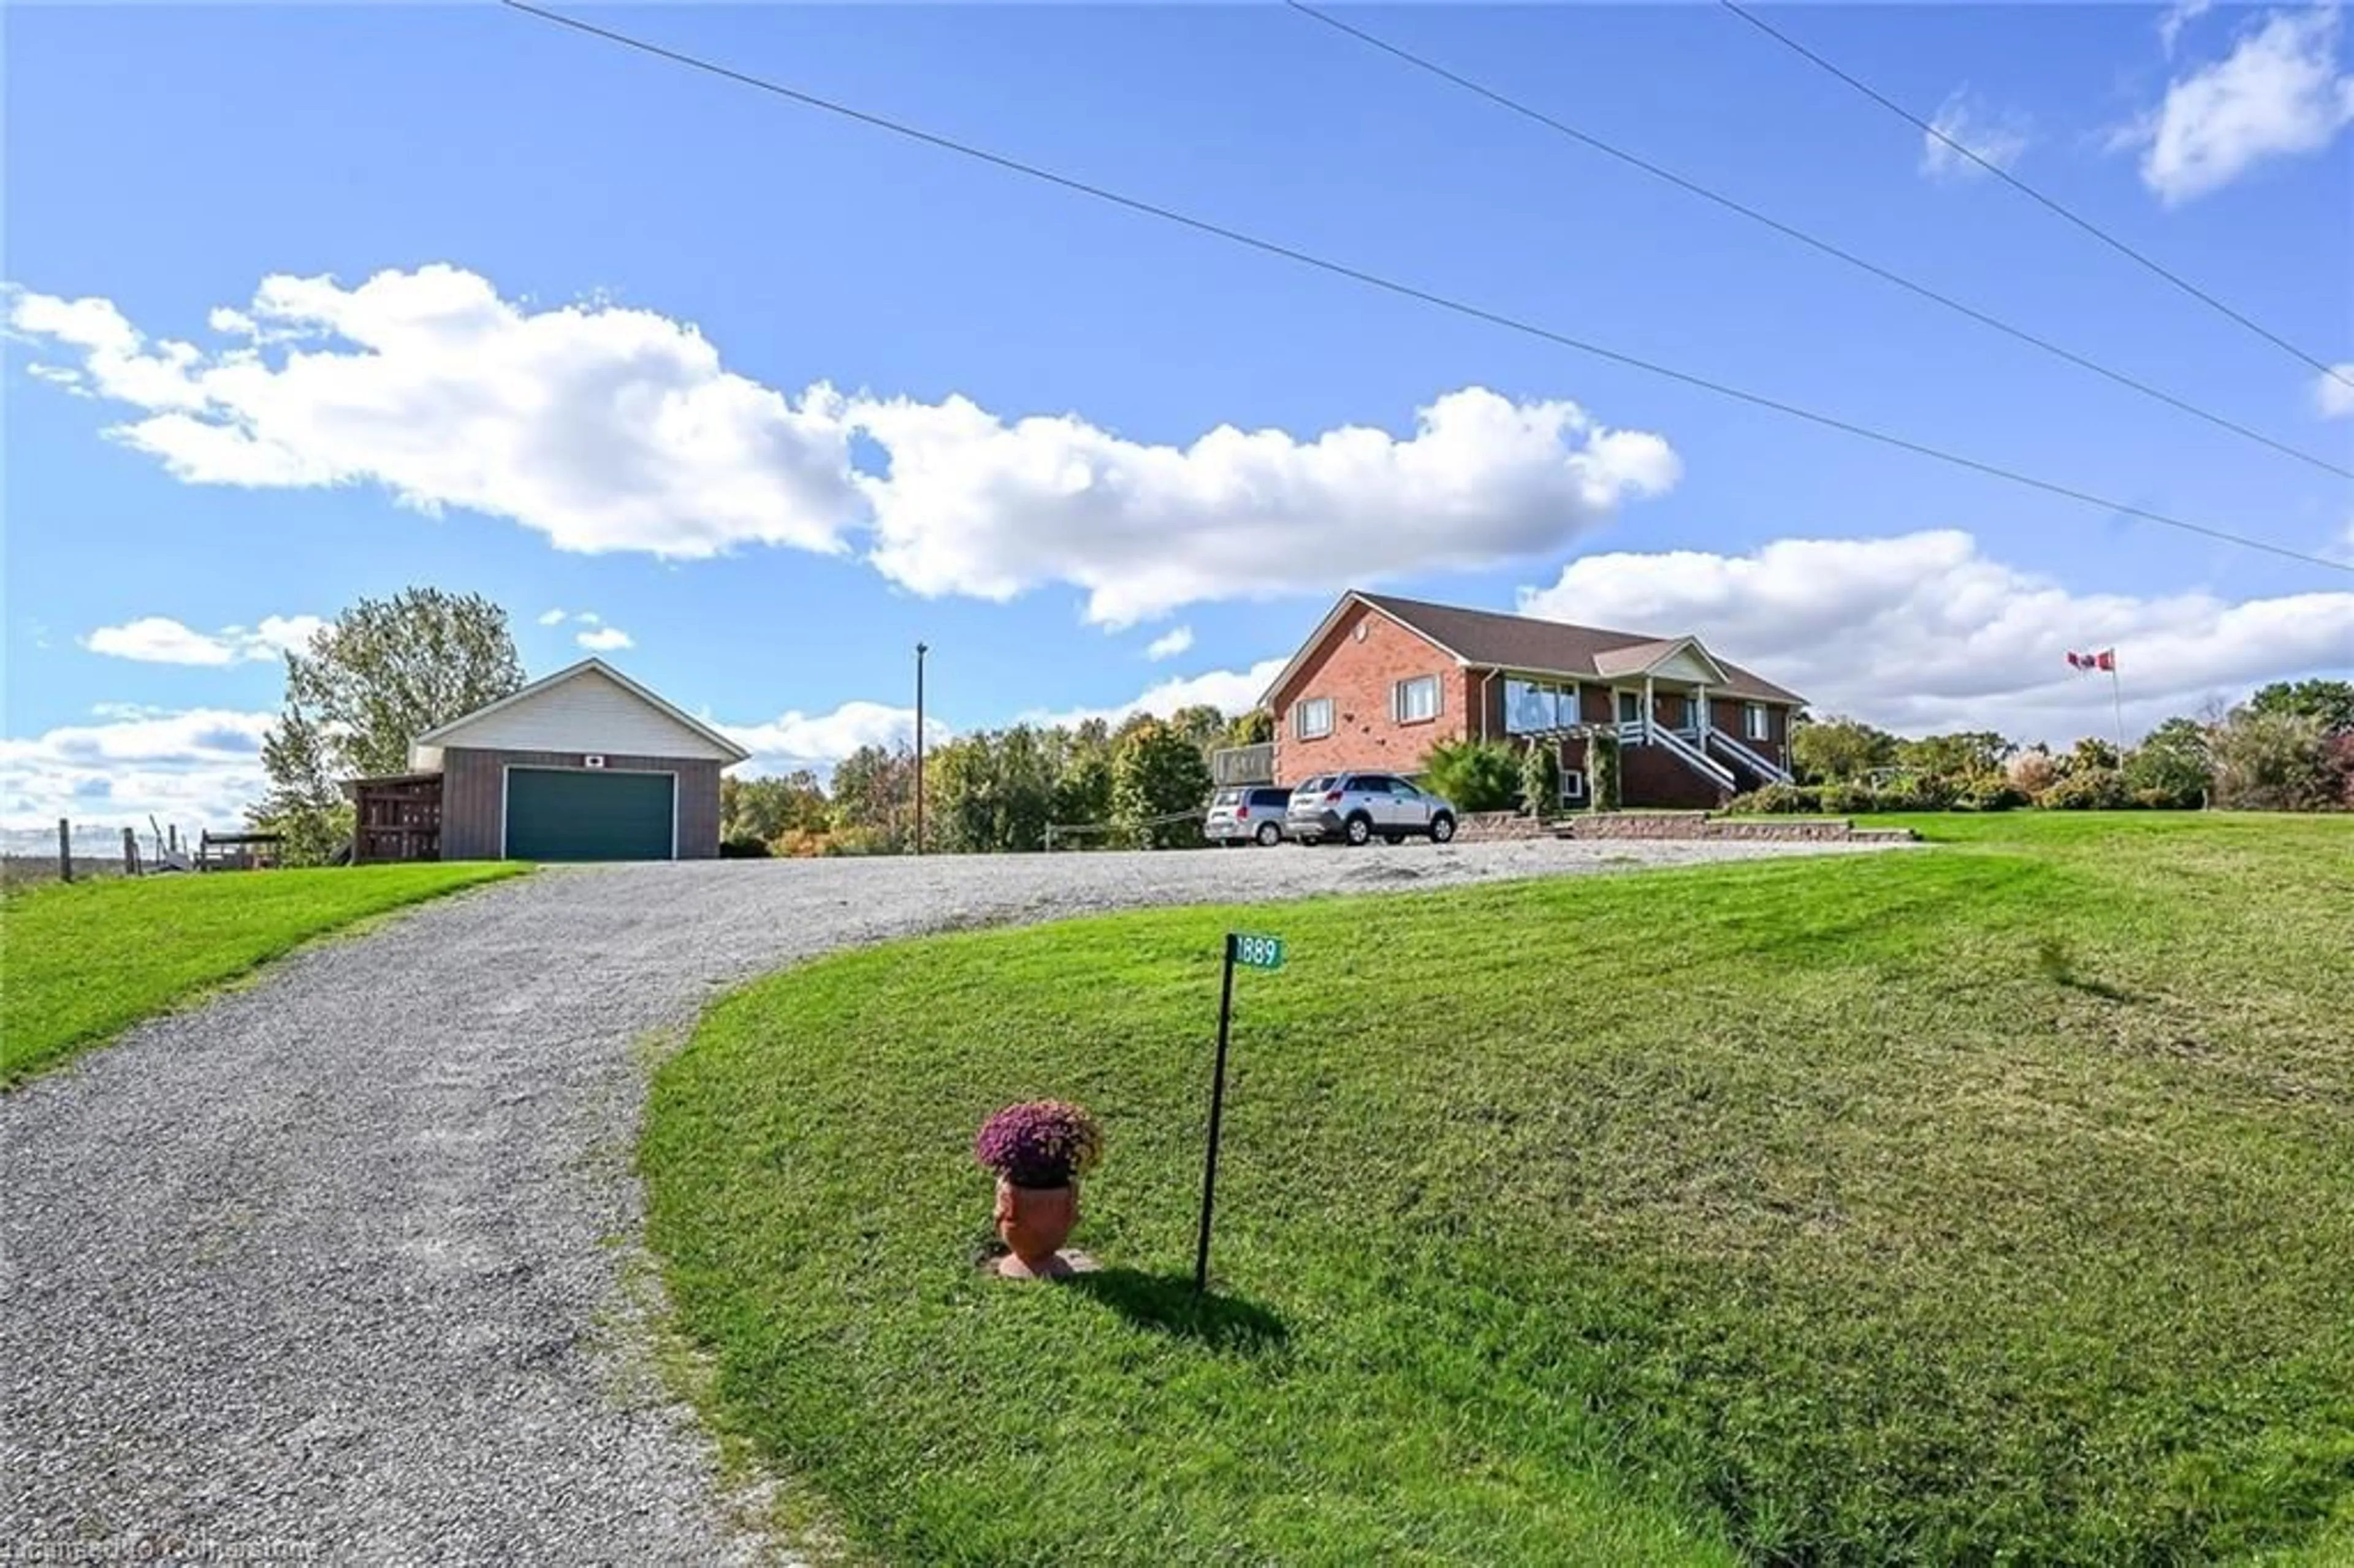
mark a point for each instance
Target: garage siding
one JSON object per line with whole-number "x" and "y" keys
{"x": 473, "y": 782}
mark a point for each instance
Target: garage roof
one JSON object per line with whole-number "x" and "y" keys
{"x": 497, "y": 723}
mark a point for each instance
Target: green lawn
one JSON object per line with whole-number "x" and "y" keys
{"x": 1989, "y": 1204}
{"x": 87, "y": 959}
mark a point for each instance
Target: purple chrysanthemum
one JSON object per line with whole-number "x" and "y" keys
{"x": 1041, "y": 1143}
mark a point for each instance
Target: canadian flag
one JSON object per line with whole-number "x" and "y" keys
{"x": 2106, "y": 659}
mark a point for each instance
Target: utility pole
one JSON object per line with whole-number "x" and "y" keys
{"x": 920, "y": 651}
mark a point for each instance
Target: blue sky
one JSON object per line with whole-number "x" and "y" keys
{"x": 559, "y": 307}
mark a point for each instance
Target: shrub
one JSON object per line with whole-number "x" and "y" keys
{"x": 2153, "y": 799}
{"x": 2034, "y": 771}
{"x": 1994, "y": 793}
{"x": 743, "y": 846}
{"x": 1780, "y": 801}
{"x": 1846, "y": 799}
{"x": 1040, "y": 1143}
{"x": 2087, "y": 790}
{"x": 1539, "y": 778}
{"x": 1476, "y": 775}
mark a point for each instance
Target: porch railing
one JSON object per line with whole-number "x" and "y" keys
{"x": 1756, "y": 762}
{"x": 1644, "y": 732}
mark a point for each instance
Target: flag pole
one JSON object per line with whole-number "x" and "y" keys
{"x": 2117, "y": 694}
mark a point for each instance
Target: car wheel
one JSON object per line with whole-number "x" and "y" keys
{"x": 1442, "y": 827}
{"x": 1393, "y": 838}
{"x": 1269, "y": 834}
{"x": 1360, "y": 830}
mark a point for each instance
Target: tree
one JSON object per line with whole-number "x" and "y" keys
{"x": 874, "y": 798}
{"x": 1157, "y": 773}
{"x": 378, "y": 676}
{"x": 1201, "y": 724}
{"x": 767, "y": 808}
{"x": 1967, "y": 754}
{"x": 1829, "y": 750}
{"x": 386, "y": 670}
{"x": 2330, "y": 703}
{"x": 2093, "y": 755}
{"x": 1255, "y": 727}
{"x": 302, "y": 800}
{"x": 2172, "y": 761}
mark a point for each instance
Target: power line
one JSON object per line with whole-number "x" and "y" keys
{"x": 1694, "y": 187}
{"x": 2049, "y": 204}
{"x": 1408, "y": 290}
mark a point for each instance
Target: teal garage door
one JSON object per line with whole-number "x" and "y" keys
{"x": 560, "y": 814}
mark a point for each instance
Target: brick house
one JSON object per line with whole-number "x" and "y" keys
{"x": 1382, "y": 679}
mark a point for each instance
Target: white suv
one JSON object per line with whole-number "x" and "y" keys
{"x": 1363, "y": 807}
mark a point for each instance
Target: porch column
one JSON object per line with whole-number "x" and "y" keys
{"x": 1650, "y": 706}
{"x": 1699, "y": 710}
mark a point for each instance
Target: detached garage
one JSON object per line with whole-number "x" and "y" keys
{"x": 585, "y": 765}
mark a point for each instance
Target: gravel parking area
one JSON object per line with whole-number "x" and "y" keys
{"x": 335, "y": 1268}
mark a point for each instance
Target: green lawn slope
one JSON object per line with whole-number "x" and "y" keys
{"x": 1986, "y": 1202}
{"x": 80, "y": 962}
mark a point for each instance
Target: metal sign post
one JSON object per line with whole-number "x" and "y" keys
{"x": 1252, "y": 952}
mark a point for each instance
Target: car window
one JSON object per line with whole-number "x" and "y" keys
{"x": 1403, "y": 787}
{"x": 1313, "y": 785}
{"x": 1270, "y": 796}
{"x": 1226, "y": 797}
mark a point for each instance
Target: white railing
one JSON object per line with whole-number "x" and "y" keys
{"x": 1643, "y": 732}
{"x": 1755, "y": 762}
{"x": 1694, "y": 757}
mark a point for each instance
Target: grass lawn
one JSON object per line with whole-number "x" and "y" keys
{"x": 1988, "y": 1203}
{"x": 87, "y": 959}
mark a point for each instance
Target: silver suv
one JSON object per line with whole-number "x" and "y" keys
{"x": 1238, "y": 816}
{"x": 1362, "y": 807}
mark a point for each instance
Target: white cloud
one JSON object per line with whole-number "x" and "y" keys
{"x": 2178, "y": 16}
{"x": 196, "y": 768}
{"x": 2333, "y": 391}
{"x": 2278, "y": 93}
{"x": 1228, "y": 691}
{"x": 1996, "y": 135}
{"x": 554, "y": 616}
{"x": 606, "y": 429}
{"x": 1924, "y": 631}
{"x": 818, "y": 741}
{"x": 1170, "y": 643}
{"x": 605, "y": 640}
{"x": 978, "y": 507}
{"x": 160, "y": 640}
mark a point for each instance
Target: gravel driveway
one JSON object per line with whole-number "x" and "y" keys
{"x": 334, "y": 1267}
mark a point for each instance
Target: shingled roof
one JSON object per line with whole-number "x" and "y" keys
{"x": 1487, "y": 638}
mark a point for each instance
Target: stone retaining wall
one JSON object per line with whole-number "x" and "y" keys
{"x": 1496, "y": 827}
{"x": 1704, "y": 825}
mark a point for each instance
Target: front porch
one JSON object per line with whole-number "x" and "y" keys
{"x": 1684, "y": 740}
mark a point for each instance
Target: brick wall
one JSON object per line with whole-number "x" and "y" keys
{"x": 1653, "y": 775}
{"x": 1359, "y": 673}
{"x": 1725, "y": 713}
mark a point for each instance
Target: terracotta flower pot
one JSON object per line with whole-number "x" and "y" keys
{"x": 1035, "y": 1221}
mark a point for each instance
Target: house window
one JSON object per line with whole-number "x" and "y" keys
{"x": 1311, "y": 718}
{"x": 1534, "y": 707}
{"x": 1415, "y": 700}
{"x": 1630, "y": 708}
{"x": 1572, "y": 784}
{"x": 1754, "y": 725}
